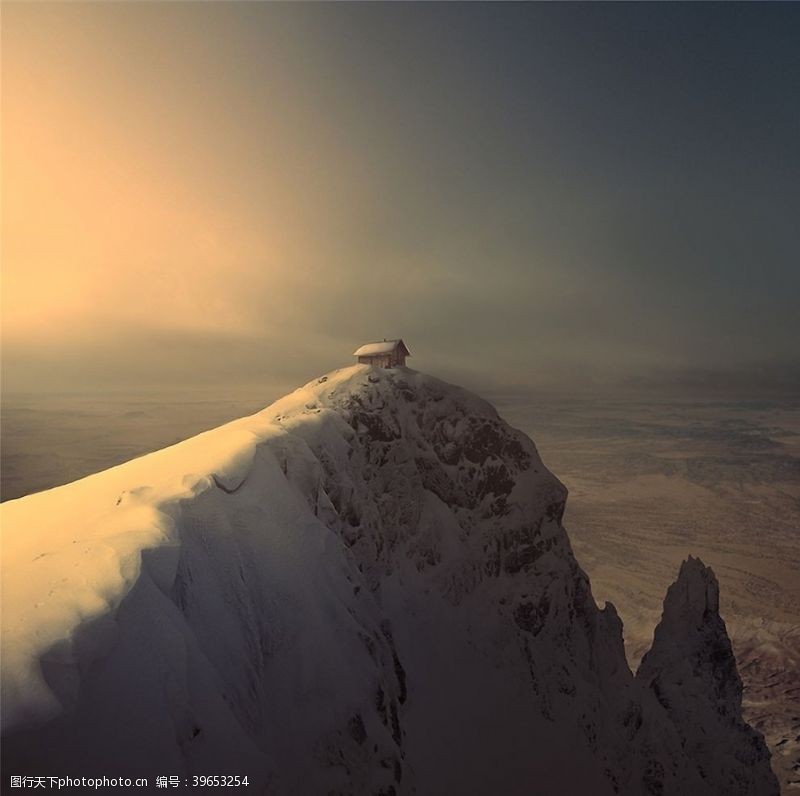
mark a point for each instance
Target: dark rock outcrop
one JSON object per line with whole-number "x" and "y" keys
{"x": 691, "y": 671}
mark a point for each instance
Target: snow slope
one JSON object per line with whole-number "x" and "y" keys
{"x": 364, "y": 588}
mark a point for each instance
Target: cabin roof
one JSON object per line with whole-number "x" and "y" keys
{"x": 381, "y": 347}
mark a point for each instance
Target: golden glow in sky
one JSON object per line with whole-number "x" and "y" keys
{"x": 104, "y": 225}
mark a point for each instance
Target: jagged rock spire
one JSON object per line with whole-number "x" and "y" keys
{"x": 692, "y": 672}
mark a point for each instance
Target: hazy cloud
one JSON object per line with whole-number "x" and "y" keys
{"x": 548, "y": 194}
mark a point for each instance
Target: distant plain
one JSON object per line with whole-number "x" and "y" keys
{"x": 650, "y": 482}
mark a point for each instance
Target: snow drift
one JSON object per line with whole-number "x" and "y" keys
{"x": 365, "y": 588}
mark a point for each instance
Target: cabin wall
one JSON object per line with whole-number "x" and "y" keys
{"x": 379, "y": 360}
{"x": 383, "y": 360}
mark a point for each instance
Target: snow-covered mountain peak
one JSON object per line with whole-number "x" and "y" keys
{"x": 411, "y": 462}
{"x": 365, "y": 588}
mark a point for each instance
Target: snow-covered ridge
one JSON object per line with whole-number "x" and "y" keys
{"x": 364, "y": 588}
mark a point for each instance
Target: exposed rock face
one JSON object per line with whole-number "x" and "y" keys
{"x": 370, "y": 593}
{"x": 692, "y": 672}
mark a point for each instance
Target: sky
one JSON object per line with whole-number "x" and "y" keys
{"x": 548, "y": 196}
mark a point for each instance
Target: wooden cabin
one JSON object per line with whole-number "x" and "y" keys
{"x": 385, "y": 354}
